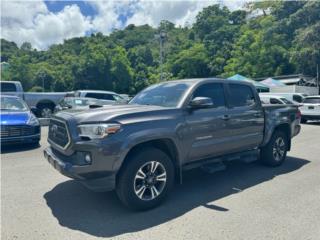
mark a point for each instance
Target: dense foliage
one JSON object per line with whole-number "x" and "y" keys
{"x": 265, "y": 39}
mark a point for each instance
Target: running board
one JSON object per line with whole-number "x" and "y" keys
{"x": 213, "y": 167}
{"x": 247, "y": 157}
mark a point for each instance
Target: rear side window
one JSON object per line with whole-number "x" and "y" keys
{"x": 297, "y": 98}
{"x": 241, "y": 95}
{"x": 311, "y": 100}
{"x": 211, "y": 90}
{"x": 102, "y": 96}
{"x": 8, "y": 87}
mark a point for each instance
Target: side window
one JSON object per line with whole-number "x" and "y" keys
{"x": 8, "y": 87}
{"x": 108, "y": 97}
{"x": 211, "y": 90}
{"x": 95, "y": 95}
{"x": 275, "y": 101}
{"x": 297, "y": 98}
{"x": 241, "y": 95}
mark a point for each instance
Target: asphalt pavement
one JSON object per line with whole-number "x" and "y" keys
{"x": 246, "y": 201}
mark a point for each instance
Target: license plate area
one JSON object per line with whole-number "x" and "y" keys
{"x": 311, "y": 107}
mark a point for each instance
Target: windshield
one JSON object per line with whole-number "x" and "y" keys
{"x": 312, "y": 100}
{"x": 163, "y": 94}
{"x": 286, "y": 101}
{"x": 13, "y": 104}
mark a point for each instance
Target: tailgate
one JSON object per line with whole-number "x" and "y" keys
{"x": 310, "y": 109}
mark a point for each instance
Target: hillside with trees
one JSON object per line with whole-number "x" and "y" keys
{"x": 264, "y": 39}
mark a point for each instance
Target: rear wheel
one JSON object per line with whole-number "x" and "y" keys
{"x": 145, "y": 180}
{"x": 46, "y": 110}
{"x": 275, "y": 152}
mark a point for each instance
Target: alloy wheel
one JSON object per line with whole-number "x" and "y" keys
{"x": 150, "y": 180}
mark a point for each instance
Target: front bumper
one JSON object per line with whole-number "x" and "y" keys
{"x": 97, "y": 176}
{"x": 310, "y": 117}
{"x": 21, "y": 139}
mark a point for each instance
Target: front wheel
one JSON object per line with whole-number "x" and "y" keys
{"x": 146, "y": 179}
{"x": 275, "y": 152}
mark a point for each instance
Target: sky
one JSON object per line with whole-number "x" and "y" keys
{"x": 47, "y": 22}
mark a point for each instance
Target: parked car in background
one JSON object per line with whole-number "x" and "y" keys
{"x": 80, "y": 103}
{"x": 18, "y": 123}
{"x": 310, "y": 108}
{"x": 140, "y": 149}
{"x": 43, "y": 102}
{"x": 296, "y": 98}
{"x": 274, "y": 99}
{"x": 98, "y": 94}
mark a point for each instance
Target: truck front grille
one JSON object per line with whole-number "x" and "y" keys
{"x": 58, "y": 133}
{"x": 18, "y": 131}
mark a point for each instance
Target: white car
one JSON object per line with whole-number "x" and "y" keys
{"x": 310, "y": 110}
{"x": 274, "y": 99}
{"x": 296, "y": 98}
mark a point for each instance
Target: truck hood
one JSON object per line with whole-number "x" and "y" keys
{"x": 14, "y": 118}
{"x": 111, "y": 113}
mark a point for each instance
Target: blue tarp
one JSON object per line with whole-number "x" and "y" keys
{"x": 258, "y": 85}
{"x": 272, "y": 82}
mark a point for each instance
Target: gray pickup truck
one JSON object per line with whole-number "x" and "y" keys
{"x": 142, "y": 148}
{"x": 43, "y": 102}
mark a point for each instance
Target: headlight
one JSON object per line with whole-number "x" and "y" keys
{"x": 33, "y": 120}
{"x": 95, "y": 131}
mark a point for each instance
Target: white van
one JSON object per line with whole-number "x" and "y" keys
{"x": 273, "y": 99}
{"x": 296, "y": 98}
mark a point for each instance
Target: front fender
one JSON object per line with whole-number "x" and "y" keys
{"x": 144, "y": 136}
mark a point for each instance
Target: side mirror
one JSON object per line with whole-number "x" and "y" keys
{"x": 201, "y": 102}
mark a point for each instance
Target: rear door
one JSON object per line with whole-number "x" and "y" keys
{"x": 245, "y": 126}
{"x": 206, "y": 136}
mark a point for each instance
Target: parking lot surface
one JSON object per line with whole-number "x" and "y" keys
{"x": 246, "y": 201}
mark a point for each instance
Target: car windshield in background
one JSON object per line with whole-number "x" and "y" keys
{"x": 286, "y": 101}
{"x": 12, "y": 104}
{"x": 312, "y": 100}
{"x": 163, "y": 94}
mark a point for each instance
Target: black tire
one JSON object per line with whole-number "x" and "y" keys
{"x": 128, "y": 180}
{"x": 46, "y": 111}
{"x": 273, "y": 155}
{"x": 303, "y": 120}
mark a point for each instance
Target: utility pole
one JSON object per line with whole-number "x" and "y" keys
{"x": 162, "y": 36}
{"x": 42, "y": 75}
{"x": 318, "y": 78}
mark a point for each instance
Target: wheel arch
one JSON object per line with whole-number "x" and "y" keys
{"x": 285, "y": 127}
{"x": 45, "y": 102}
{"x": 166, "y": 145}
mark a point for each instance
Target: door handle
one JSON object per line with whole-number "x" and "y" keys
{"x": 225, "y": 117}
{"x": 257, "y": 114}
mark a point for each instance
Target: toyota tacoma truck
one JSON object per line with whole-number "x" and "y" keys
{"x": 141, "y": 149}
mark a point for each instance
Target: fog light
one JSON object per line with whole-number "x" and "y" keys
{"x": 87, "y": 158}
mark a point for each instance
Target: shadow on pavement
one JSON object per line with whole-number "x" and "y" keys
{"x": 102, "y": 215}
{"x": 18, "y": 148}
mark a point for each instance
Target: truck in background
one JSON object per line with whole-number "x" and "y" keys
{"x": 43, "y": 102}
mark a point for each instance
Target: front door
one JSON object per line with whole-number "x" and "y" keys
{"x": 207, "y": 126}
